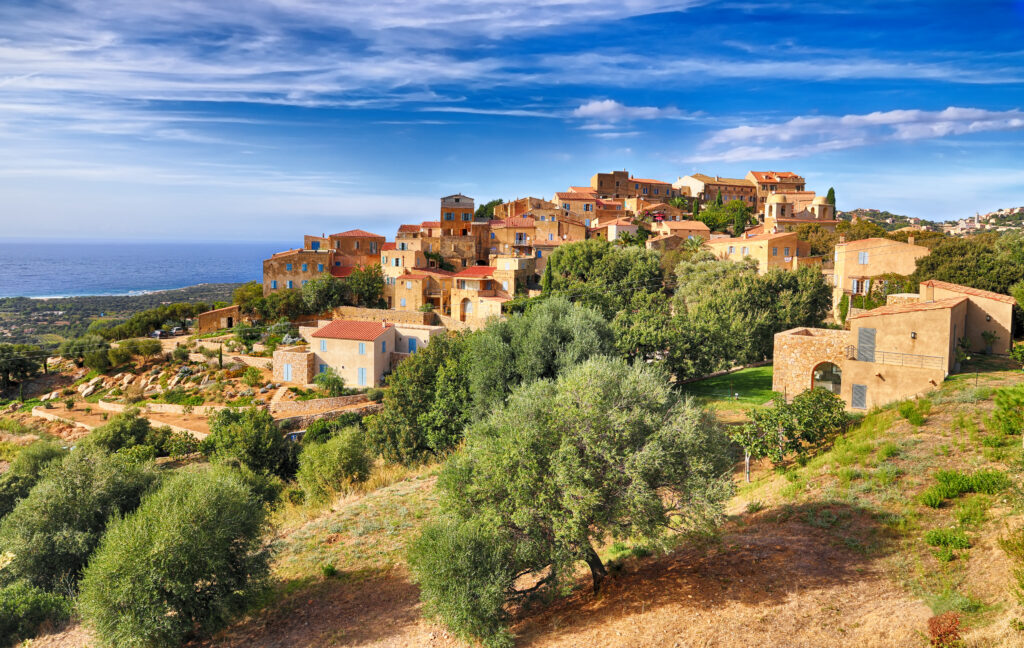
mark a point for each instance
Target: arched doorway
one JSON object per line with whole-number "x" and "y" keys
{"x": 465, "y": 309}
{"x": 827, "y": 376}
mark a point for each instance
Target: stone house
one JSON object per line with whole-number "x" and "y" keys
{"x": 361, "y": 352}
{"x": 782, "y": 251}
{"x": 772, "y": 182}
{"x": 857, "y": 262}
{"x": 684, "y": 229}
{"x": 706, "y": 188}
{"x": 890, "y": 353}
{"x": 217, "y": 319}
{"x": 478, "y": 293}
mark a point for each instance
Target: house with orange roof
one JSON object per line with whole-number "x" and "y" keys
{"x": 684, "y": 229}
{"x": 785, "y": 212}
{"x": 779, "y": 251}
{"x": 478, "y": 293}
{"x": 613, "y": 229}
{"x": 361, "y": 352}
{"x": 519, "y": 206}
{"x": 771, "y": 182}
{"x": 898, "y": 351}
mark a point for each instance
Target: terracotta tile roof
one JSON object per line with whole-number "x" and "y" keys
{"x": 648, "y": 181}
{"x": 437, "y": 271}
{"x": 277, "y": 254}
{"x": 430, "y": 224}
{"x": 409, "y": 228}
{"x": 769, "y": 176}
{"x": 571, "y": 195}
{"x": 411, "y": 276}
{"x": 352, "y": 330}
{"x": 356, "y": 233}
{"x": 478, "y": 272}
{"x": 896, "y": 309}
{"x": 758, "y": 237}
{"x": 967, "y": 290}
{"x": 618, "y": 222}
{"x": 603, "y": 203}
{"x": 582, "y": 190}
{"x": 722, "y": 181}
{"x": 387, "y": 247}
{"x": 685, "y": 224}
{"x": 341, "y": 271}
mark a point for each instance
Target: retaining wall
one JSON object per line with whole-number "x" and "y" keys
{"x": 382, "y": 315}
{"x": 303, "y": 407}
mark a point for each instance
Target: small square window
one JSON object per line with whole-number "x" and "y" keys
{"x": 319, "y": 267}
{"x": 403, "y": 306}
{"x": 305, "y": 267}
{"x": 288, "y": 267}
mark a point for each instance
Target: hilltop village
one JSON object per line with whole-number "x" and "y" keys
{"x": 463, "y": 269}
{"x": 525, "y": 399}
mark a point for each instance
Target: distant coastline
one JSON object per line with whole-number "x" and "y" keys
{"x": 40, "y": 270}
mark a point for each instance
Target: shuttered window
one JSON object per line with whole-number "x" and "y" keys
{"x": 866, "y": 344}
{"x": 860, "y": 397}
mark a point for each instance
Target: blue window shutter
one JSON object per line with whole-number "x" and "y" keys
{"x": 384, "y": 346}
{"x": 323, "y": 345}
{"x": 319, "y": 267}
{"x": 362, "y": 348}
{"x": 866, "y": 344}
{"x": 362, "y": 376}
{"x": 859, "y": 397}
{"x": 273, "y": 284}
{"x": 288, "y": 267}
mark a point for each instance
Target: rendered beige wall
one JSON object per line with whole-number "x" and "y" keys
{"x": 978, "y": 308}
{"x": 934, "y": 330}
{"x": 887, "y": 383}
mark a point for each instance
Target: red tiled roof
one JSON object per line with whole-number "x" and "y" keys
{"x": 571, "y": 195}
{"x": 581, "y": 190}
{"x": 430, "y": 224}
{"x": 356, "y": 233}
{"x": 913, "y": 307}
{"x": 408, "y": 228}
{"x": 341, "y": 271}
{"x": 685, "y": 224}
{"x": 437, "y": 271}
{"x": 764, "y": 176}
{"x": 602, "y": 203}
{"x": 476, "y": 272}
{"x": 387, "y": 247}
{"x": 967, "y": 290}
{"x": 352, "y": 330}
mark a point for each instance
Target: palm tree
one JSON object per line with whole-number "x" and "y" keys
{"x": 693, "y": 244}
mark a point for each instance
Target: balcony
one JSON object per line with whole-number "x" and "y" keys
{"x": 902, "y": 359}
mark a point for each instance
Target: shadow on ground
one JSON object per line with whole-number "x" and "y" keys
{"x": 760, "y": 562}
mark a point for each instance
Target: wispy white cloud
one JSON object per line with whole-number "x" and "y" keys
{"x": 807, "y": 135}
{"x": 611, "y": 111}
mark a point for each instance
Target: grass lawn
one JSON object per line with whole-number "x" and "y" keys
{"x": 753, "y": 385}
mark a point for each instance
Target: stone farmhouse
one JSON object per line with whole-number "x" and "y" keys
{"x": 361, "y": 352}
{"x": 857, "y": 263}
{"x": 896, "y": 351}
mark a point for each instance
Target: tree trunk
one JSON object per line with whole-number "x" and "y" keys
{"x": 597, "y": 569}
{"x": 746, "y": 464}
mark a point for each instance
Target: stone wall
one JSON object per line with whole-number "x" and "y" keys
{"x": 215, "y": 320}
{"x": 798, "y": 351}
{"x": 902, "y": 298}
{"x": 40, "y": 412}
{"x": 302, "y": 421}
{"x": 159, "y": 408}
{"x": 383, "y": 315}
{"x": 304, "y": 407}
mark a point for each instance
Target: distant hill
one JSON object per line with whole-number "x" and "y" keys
{"x": 885, "y": 219}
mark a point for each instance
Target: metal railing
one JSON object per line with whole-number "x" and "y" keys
{"x": 901, "y": 359}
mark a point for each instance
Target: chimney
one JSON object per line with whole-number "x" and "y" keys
{"x": 910, "y": 240}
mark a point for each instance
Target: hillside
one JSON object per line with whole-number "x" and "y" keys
{"x": 828, "y": 553}
{"x": 882, "y": 218}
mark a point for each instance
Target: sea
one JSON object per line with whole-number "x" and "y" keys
{"x": 67, "y": 269}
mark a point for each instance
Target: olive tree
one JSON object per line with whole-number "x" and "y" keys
{"x": 605, "y": 450}
{"x": 187, "y": 559}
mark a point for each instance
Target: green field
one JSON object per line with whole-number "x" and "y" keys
{"x": 753, "y": 385}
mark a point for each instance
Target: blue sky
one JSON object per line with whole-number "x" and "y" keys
{"x": 266, "y": 119}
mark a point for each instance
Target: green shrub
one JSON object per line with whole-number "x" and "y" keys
{"x": 909, "y": 411}
{"x": 125, "y": 430}
{"x": 181, "y": 397}
{"x": 375, "y": 394}
{"x": 972, "y": 511}
{"x": 952, "y": 483}
{"x": 251, "y": 437}
{"x": 989, "y": 482}
{"x": 24, "y": 473}
{"x": 330, "y": 383}
{"x": 53, "y": 531}
{"x": 464, "y": 572}
{"x": 188, "y": 558}
{"x": 952, "y": 538}
{"x": 322, "y": 429}
{"x": 933, "y": 497}
{"x": 24, "y": 608}
{"x": 252, "y": 377}
{"x": 888, "y": 450}
{"x": 119, "y": 355}
{"x": 179, "y": 354}
{"x": 945, "y": 554}
{"x": 329, "y": 467}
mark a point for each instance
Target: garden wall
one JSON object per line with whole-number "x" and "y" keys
{"x": 384, "y": 315}
{"x": 317, "y": 404}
